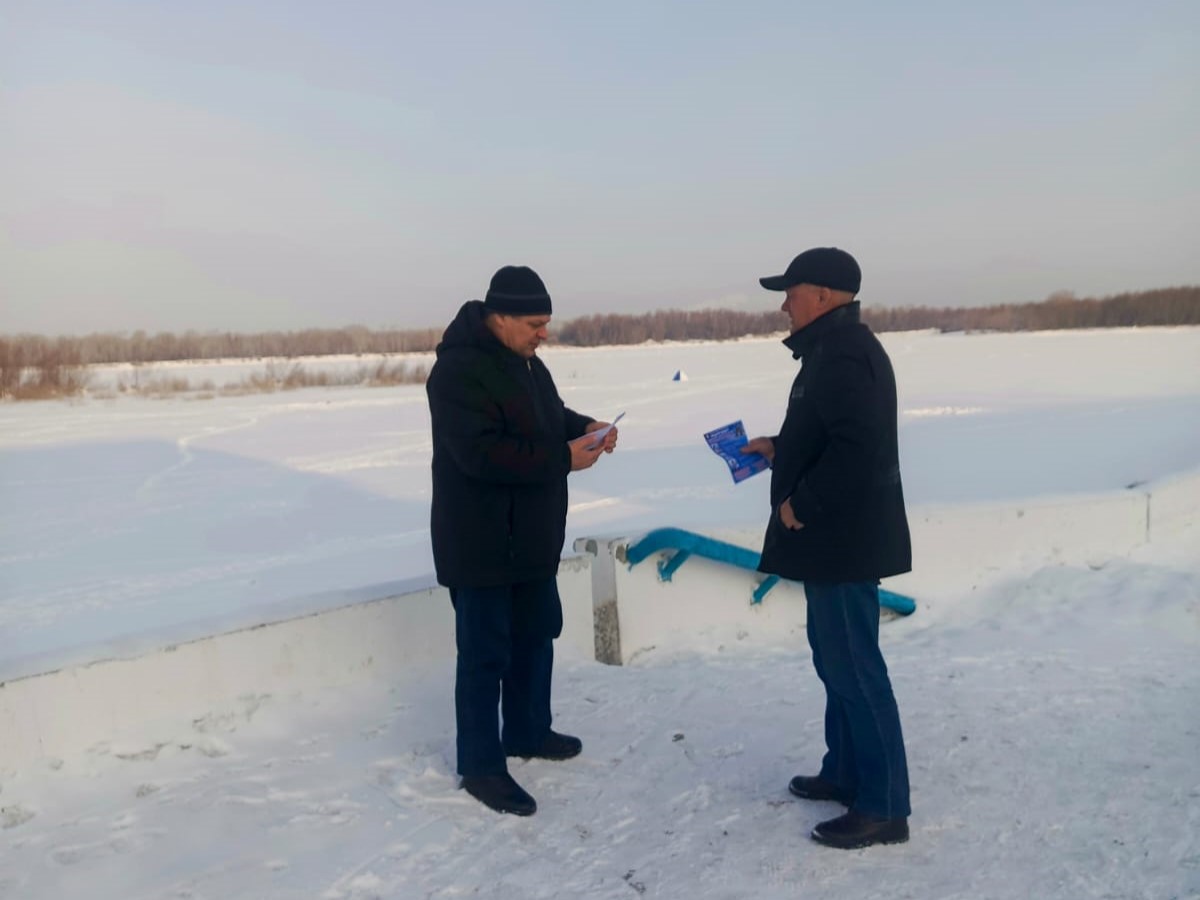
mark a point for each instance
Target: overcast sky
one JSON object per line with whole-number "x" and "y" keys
{"x": 275, "y": 165}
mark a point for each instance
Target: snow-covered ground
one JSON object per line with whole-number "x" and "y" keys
{"x": 1051, "y": 717}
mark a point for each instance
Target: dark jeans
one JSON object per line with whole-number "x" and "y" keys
{"x": 862, "y": 724}
{"x": 505, "y": 656}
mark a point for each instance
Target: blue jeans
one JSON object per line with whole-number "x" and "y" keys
{"x": 862, "y": 724}
{"x": 505, "y": 657}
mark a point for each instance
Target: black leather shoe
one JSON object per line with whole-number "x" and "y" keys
{"x": 855, "y": 830}
{"x": 501, "y": 793}
{"x": 816, "y": 788}
{"x": 555, "y": 746}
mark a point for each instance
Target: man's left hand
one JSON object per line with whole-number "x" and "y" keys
{"x": 788, "y": 517}
{"x": 610, "y": 439}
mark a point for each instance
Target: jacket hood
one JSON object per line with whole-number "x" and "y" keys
{"x": 469, "y": 330}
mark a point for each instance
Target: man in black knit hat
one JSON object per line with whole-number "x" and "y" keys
{"x": 503, "y": 443}
{"x": 838, "y": 524}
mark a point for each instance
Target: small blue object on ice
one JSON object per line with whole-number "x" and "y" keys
{"x": 688, "y": 543}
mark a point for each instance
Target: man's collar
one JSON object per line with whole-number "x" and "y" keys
{"x": 800, "y": 341}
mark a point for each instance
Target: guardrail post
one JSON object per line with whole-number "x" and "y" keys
{"x": 606, "y": 621}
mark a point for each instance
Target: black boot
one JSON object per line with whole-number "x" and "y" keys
{"x": 855, "y": 830}
{"x": 501, "y": 793}
{"x": 816, "y": 788}
{"x": 554, "y": 746}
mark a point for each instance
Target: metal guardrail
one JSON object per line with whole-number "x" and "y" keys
{"x": 686, "y": 544}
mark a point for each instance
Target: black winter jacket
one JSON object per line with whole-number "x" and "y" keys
{"x": 500, "y": 459}
{"x": 836, "y": 457}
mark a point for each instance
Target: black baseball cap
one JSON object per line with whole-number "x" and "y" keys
{"x": 823, "y": 266}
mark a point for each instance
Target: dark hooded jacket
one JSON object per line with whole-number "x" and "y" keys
{"x": 500, "y": 459}
{"x": 836, "y": 457}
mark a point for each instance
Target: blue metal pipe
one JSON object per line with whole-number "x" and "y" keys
{"x": 687, "y": 543}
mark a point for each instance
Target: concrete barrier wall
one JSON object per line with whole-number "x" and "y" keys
{"x": 611, "y": 613}
{"x": 956, "y": 550}
{"x": 967, "y": 546}
{"x": 150, "y": 697}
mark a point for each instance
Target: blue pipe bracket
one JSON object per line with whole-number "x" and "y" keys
{"x": 682, "y": 545}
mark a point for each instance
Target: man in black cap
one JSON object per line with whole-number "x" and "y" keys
{"x": 503, "y": 443}
{"x": 838, "y": 524}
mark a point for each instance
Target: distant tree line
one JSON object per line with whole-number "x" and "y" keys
{"x": 1166, "y": 306}
{"x": 54, "y": 358}
{"x": 140, "y": 347}
{"x": 1061, "y": 310}
{"x": 668, "y": 325}
{"x": 35, "y": 367}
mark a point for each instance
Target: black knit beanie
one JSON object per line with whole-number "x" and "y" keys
{"x": 517, "y": 291}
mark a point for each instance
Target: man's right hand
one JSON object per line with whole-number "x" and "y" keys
{"x": 584, "y": 456}
{"x": 763, "y": 445}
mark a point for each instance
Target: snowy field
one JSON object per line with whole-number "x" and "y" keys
{"x": 1051, "y": 717}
